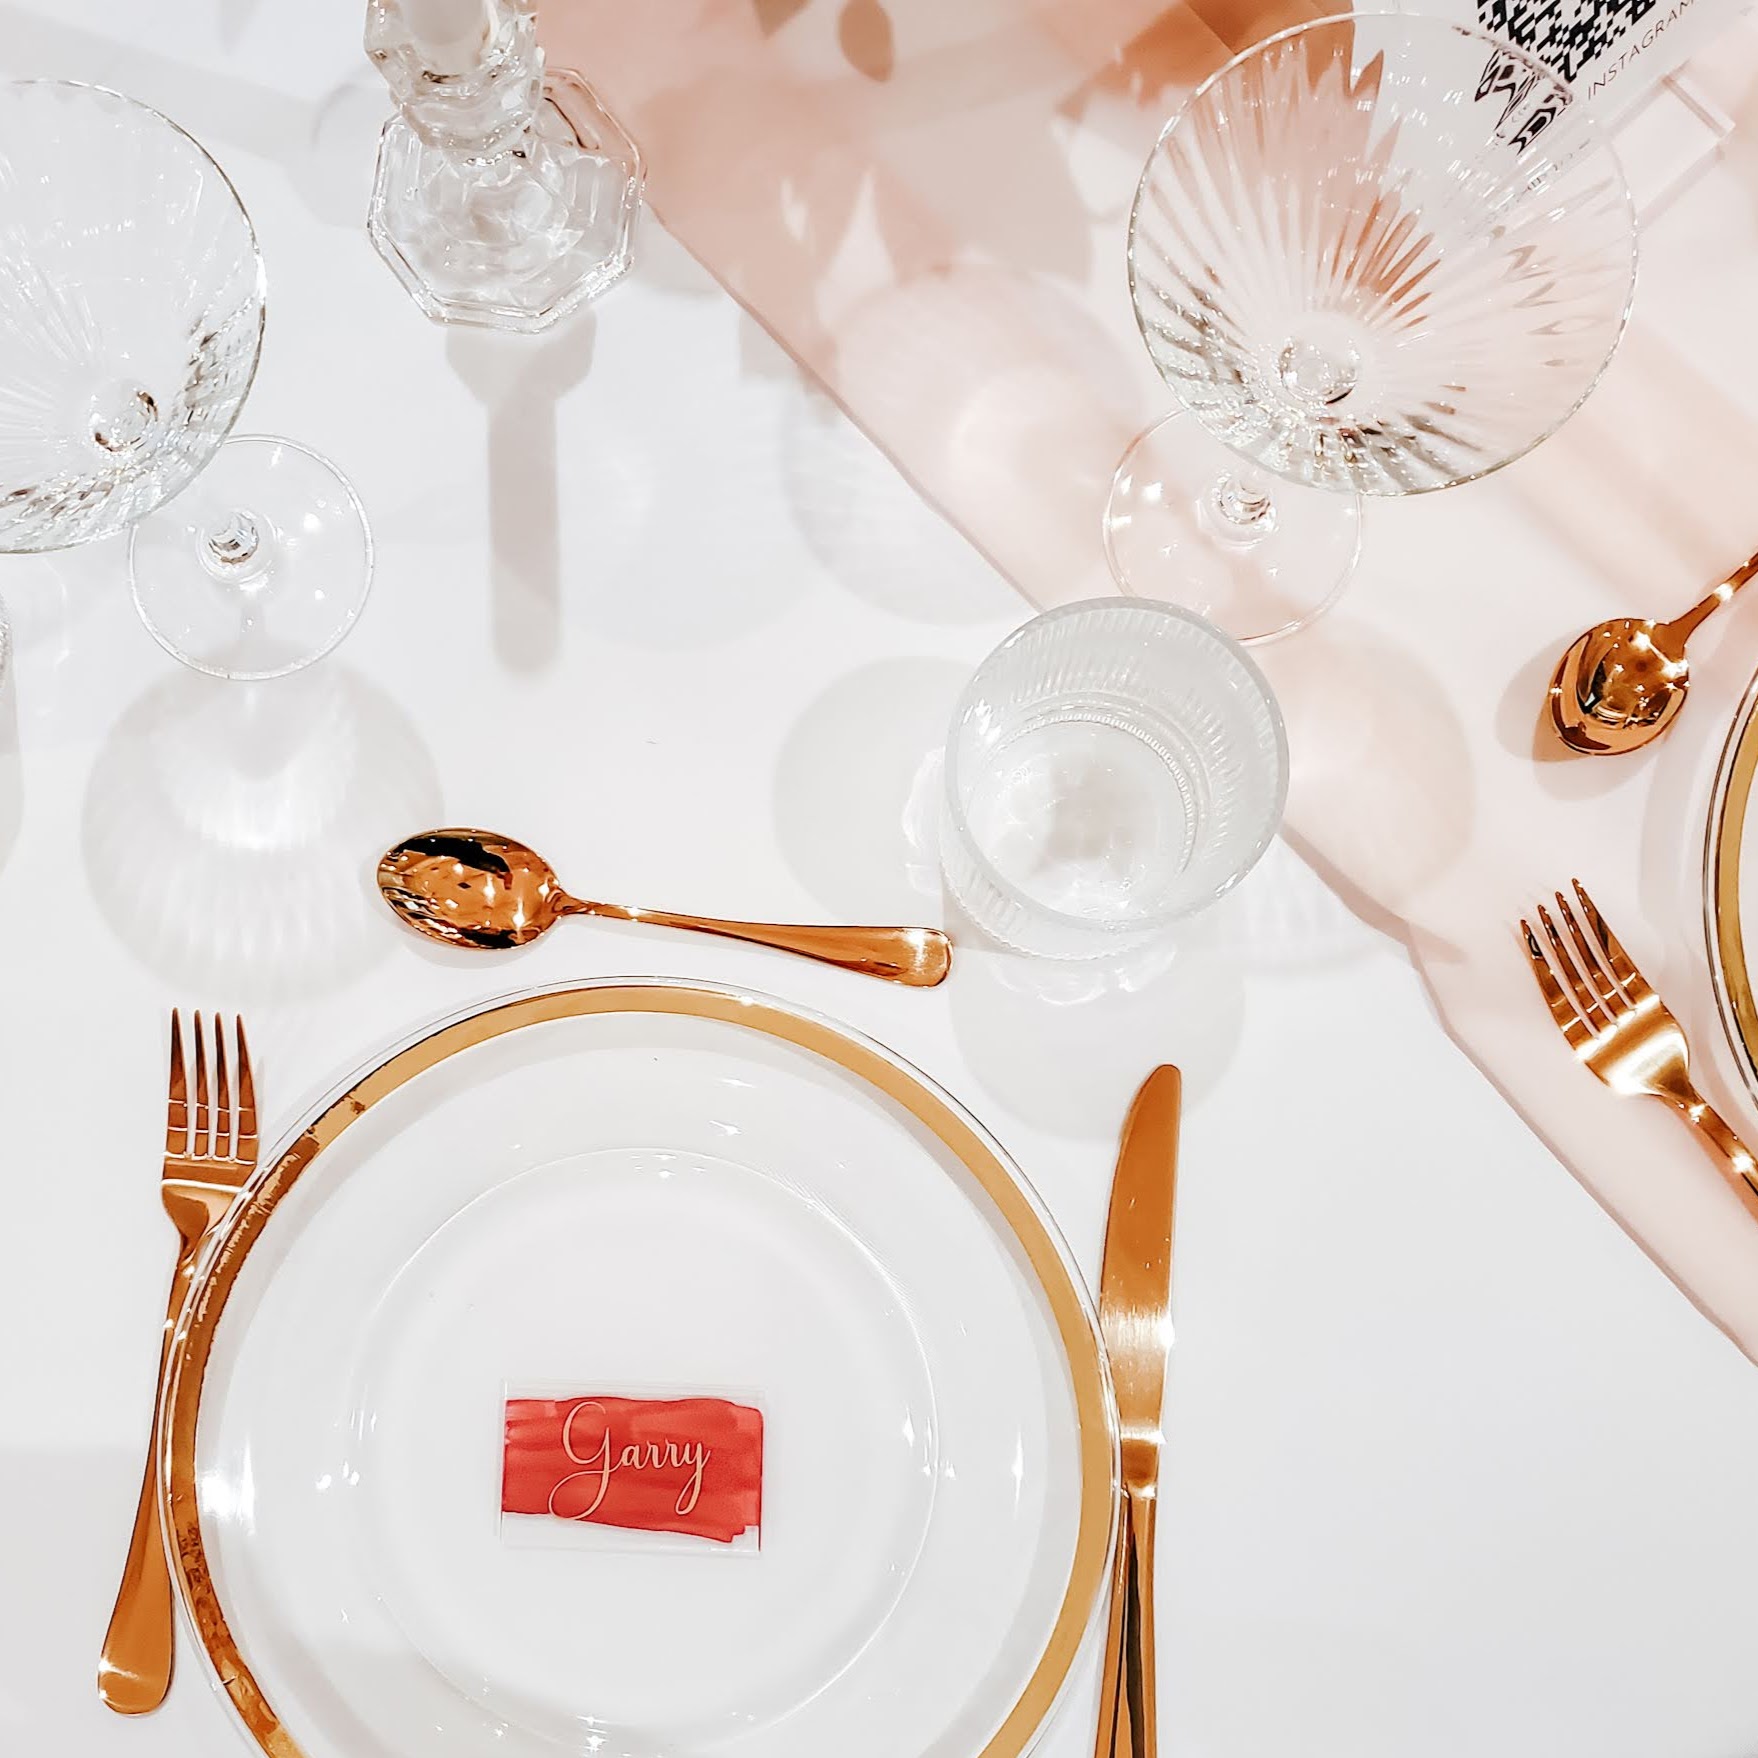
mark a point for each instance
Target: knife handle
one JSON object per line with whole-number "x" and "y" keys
{"x": 1105, "y": 1744}
{"x": 1128, "y": 1712}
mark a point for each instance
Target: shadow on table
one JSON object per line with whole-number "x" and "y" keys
{"x": 855, "y": 789}
{"x": 878, "y": 536}
{"x": 64, "y": 1515}
{"x": 1065, "y": 1045}
{"x": 11, "y": 769}
{"x": 231, "y": 830}
{"x": 1677, "y": 446}
{"x": 519, "y": 380}
{"x": 1350, "y": 694}
{"x": 856, "y": 800}
{"x": 326, "y": 148}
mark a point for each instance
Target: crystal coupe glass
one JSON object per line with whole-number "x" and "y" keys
{"x": 131, "y": 319}
{"x": 1374, "y": 255}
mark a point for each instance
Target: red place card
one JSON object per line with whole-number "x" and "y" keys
{"x": 690, "y": 1465}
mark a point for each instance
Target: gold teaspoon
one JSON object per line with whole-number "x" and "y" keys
{"x": 1621, "y": 684}
{"x": 473, "y": 888}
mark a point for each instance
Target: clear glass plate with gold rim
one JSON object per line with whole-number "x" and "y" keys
{"x": 657, "y": 1191}
{"x": 1730, "y": 887}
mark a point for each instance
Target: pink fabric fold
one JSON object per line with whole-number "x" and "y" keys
{"x": 927, "y": 205}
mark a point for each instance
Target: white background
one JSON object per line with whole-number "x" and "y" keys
{"x": 1453, "y": 1470}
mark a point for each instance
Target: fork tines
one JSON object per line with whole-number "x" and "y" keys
{"x": 210, "y": 1129}
{"x": 1586, "y": 975}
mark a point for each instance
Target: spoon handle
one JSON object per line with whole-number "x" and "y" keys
{"x": 919, "y": 957}
{"x": 1685, "y": 626}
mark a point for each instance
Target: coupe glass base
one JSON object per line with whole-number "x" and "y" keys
{"x": 1192, "y": 523}
{"x": 259, "y": 567}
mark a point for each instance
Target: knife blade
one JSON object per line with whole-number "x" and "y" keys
{"x": 1135, "y": 1317}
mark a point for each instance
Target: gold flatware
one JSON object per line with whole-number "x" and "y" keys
{"x": 1621, "y": 1029}
{"x": 1621, "y": 684}
{"x": 1135, "y": 1314}
{"x": 210, "y": 1151}
{"x": 473, "y": 888}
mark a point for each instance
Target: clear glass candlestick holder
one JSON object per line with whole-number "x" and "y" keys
{"x": 1113, "y": 767}
{"x": 505, "y": 196}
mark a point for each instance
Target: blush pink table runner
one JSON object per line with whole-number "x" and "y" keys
{"x": 926, "y": 203}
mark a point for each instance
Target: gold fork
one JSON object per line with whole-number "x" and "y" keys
{"x": 210, "y": 1151}
{"x": 1621, "y": 1029}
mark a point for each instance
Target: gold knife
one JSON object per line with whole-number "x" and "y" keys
{"x": 1135, "y": 1314}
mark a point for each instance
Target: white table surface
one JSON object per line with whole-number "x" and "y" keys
{"x": 1454, "y": 1470}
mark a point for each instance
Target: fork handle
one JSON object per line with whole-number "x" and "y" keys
{"x": 1732, "y": 1157}
{"x": 134, "y": 1666}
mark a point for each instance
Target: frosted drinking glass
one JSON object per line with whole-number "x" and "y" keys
{"x": 1112, "y": 767}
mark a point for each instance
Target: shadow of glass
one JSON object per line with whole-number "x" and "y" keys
{"x": 1350, "y": 695}
{"x": 1065, "y": 1045}
{"x": 230, "y": 831}
{"x": 1038, "y": 392}
{"x": 850, "y": 782}
{"x": 681, "y": 540}
{"x": 47, "y": 594}
{"x": 875, "y": 533}
{"x": 519, "y": 382}
{"x": 1284, "y": 917}
{"x": 331, "y": 171}
{"x": 1667, "y": 534}
{"x": 11, "y": 769}
{"x": 334, "y": 173}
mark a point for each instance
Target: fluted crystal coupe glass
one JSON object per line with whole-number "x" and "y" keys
{"x": 1374, "y": 255}
{"x": 131, "y": 319}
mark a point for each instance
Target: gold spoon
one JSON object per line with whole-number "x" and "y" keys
{"x": 1621, "y": 684}
{"x": 473, "y": 888}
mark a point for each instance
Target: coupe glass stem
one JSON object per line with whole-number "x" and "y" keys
{"x": 1241, "y": 508}
{"x": 234, "y": 550}
{"x": 259, "y": 566}
{"x": 1191, "y": 521}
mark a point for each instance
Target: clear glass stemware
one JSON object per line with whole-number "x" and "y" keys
{"x": 131, "y": 321}
{"x": 1113, "y": 766}
{"x": 1374, "y": 255}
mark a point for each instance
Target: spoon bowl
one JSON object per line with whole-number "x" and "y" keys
{"x": 1618, "y": 686}
{"x": 1621, "y": 685}
{"x": 475, "y": 888}
{"x": 472, "y": 888}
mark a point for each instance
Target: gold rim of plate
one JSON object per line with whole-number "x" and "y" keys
{"x": 1723, "y": 845}
{"x": 867, "y": 1061}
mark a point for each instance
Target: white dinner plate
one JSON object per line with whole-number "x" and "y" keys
{"x": 654, "y": 1191}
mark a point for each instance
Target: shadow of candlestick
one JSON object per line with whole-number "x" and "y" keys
{"x": 519, "y": 381}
